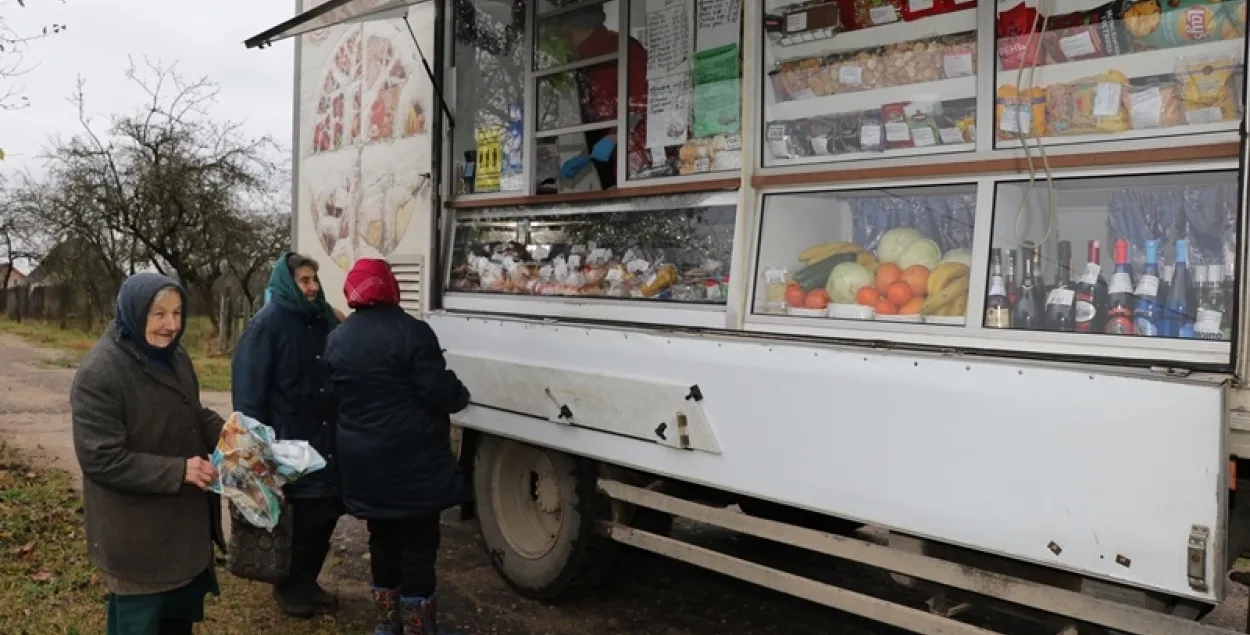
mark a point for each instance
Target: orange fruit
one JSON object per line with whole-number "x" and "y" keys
{"x": 899, "y": 293}
{"x": 867, "y": 296}
{"x": 912, "y": 307}
{"x": 885, "y": 307}
{"x": 917, "y": 277}
{"x": 887, "y": 274}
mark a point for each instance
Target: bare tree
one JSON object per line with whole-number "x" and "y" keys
{"x": 14, "y": 47}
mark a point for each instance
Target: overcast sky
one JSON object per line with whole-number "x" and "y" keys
{"x": 205, "y": 38}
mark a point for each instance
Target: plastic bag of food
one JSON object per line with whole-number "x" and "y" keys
{"x": 1087, "y": 106}
{"x": 252, "y": 466}
{"x": 1018, "y": 113}
{"x": 1208, "y": 89}
{"x": 1156, "y": 104}
{"x": 1085, "y": 34}
{"x": 1156, "y": 25}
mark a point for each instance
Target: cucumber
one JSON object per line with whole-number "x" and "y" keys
{"x": 815, "y": 275}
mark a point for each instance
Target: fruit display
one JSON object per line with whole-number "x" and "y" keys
{"x": 908, "y": 279}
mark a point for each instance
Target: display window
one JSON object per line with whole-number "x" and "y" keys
{"x": 886, "y": 255}
{"x": 1140, "y": 256}
{"x": 1069, "y": 72}
{"x": 868, "y": 79}
{"x": 674, "y": 250}
{"x": 685, "y": 88}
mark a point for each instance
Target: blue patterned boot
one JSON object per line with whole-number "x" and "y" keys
{"x": 387, "y": 619}
{"x": 421, "y": 616}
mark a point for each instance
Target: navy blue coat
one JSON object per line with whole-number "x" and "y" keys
{"x": 395, "y": 396}
{"x": 279, "y": 377}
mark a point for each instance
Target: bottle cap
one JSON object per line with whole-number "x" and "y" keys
{"x": 1152, "y": 251}
{"x": 1182, "y": 255}
{"x": 1121, "y": 251}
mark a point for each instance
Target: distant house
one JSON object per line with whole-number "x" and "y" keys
{"x": 15, "y": 277}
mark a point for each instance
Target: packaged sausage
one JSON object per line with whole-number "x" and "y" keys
{"x": 897, "y": 132}
{"x": 922, "y": 122}
{"x": 848, "y": 130}
{"x": 1018, "y": 113}
{"x": 869, "y": 13}
{"x": 917, "y": 9}
{"x": 1012, "y": 28}
{"x": 871, "y": 132}
{"x": 1088, "y": 106}
{"x": 1152, "y": 24}
{"x": 1156, "y": 104}
{"x": 1208, "y": 88}
{"x": 821, "y": 134}
{"x": 957, "y": 121}
{"x": 781, "y": 142}
{"x": 1085, "y": 34}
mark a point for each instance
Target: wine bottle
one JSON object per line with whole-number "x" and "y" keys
{"x": 1178, "y": 309}
{"x": 1089, "y": 312}
{"x": 1209, "y": 324}
{"x": 1120, "y": 294}
{"x": 1028, "y": 311}
{"x": 1146, "y": 311}
{"x": 1060, "y": 315}
{"x": 1165, "y": 285}
{"x": 1009, "y": 276}
{"x": 997, "y": 305}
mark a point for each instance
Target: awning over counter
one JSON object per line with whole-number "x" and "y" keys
{"x": 331, "y": 13}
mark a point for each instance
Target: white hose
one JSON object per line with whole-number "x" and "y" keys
{"x": 1025, "y": 94}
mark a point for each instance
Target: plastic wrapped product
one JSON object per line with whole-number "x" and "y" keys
{"x": 252, "y": 467}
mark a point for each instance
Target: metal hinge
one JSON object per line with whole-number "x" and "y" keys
{"x": 1199, "y": 535}
{"x": 683, "y": 432}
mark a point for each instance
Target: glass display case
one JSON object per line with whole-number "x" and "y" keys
{"x": 867, "y": 79}
{"x": 669, "y": 249}
{"x": 1075, "y": 72}
{"x": 889, "y": 255}
{"x": 1144, "y": 256}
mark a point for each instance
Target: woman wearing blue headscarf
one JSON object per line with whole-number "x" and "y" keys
{"x": 142, "y": 438}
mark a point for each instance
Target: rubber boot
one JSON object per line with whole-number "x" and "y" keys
{"x": 387, "y": 619}
{"x": 294, "y": 598}
{"x": 300, "y": 595}
{"x": 421, "y": 616}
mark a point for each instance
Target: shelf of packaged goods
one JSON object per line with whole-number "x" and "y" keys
{"x": 1148, "y": 133}
{"x": 1132, "y": 65}
{"x": 884, "y": 35}
{"x": 864, "y": 156}
{"x": 870, "y": 100}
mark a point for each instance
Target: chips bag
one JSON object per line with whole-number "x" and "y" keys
{"x": 252, "y": 466}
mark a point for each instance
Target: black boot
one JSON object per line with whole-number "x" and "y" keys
{"x": 294, "y": 597}
{"x": 300, "y": 595}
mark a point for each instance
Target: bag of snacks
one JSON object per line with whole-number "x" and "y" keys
{"x": 957, "y": 123}
{"x": 959, "y": 55}
{"x": 252, "y": 466}
{"x": 1156, "y": 105}
{"x": 1208, "y": 88}
{"x": 1017, "y": 114}
{"x": 1087, "y": 106}
{"x": 1085, "y": 34}
{"x": 1153, "y": 24}
{"x": 870, "y": 13}
{"x": 912, "y": 62}
{"x": 847, "y": 129}
{"x": 871, "y": 132}
{"x": 897, "y": 132}
{"x": 1012, "y": 28}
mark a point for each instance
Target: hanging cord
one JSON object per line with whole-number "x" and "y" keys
{"x": 1052, "y": 216}
{"x": 429, "y": 72}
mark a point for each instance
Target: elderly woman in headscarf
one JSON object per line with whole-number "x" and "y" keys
{"x": 142, "y": 438}
{"x": 395, "y": 397}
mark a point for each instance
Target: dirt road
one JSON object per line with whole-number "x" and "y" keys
{"x": 648, "y": 596}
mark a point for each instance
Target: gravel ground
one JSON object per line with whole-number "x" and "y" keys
{"x": 647, "y": 596}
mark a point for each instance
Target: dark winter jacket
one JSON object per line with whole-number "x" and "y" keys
{"x": 137, "y": 418}
{"x": 395, "y": 396}
{"x": 279, "y": 377}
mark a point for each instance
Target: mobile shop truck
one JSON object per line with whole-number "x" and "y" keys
{"x": 969, "y": 273}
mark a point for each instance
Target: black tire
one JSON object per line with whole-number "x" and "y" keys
{"x": 577, "y": 559}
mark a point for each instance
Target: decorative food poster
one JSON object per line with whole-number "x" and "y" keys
{"x": 363, "y": 148}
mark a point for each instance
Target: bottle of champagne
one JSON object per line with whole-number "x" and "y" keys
{"x": 1010, "y": 272}
{"x": 997, "y": 305}
{"x": 1209, "y": 324}
{"x": 1060, "y": 314}
{"x": 1120, "y": 294}
{"x": 1090, "y": 310}
{"x": 1178, "y": 309}
{"x": 1028, "y": 312}
{"x": 1146, "y": 312}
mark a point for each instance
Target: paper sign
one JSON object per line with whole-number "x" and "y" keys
{"x": 719, "y": 22}
{"x": 669, "y": 33}
{"x": 668, "y": 110}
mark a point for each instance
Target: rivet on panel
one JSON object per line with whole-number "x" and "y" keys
{"x": 1054, "y": 548}
{"x": 1122, "y": 561}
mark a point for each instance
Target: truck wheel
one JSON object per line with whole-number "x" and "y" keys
{"x": 537, "y": 510}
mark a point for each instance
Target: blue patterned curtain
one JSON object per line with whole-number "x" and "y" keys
{"x": 1205, "y": 215}
{"x": 946, "y": 219}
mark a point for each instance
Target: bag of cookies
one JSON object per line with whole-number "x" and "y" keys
{"x": 1208, "y": 88}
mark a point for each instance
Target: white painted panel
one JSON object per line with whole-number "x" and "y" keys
{"x": 999, "y": 456}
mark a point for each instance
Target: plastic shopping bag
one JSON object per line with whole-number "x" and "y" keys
{"x": 252, "y": 466}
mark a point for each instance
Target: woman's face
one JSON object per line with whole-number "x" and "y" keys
{"x": 164, "y": 319}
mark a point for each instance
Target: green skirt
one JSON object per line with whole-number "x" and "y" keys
{"x": 142, "y": 614}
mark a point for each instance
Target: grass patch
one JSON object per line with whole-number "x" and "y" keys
{"x": 47, "y": 587}
{"x": 73, "y": 343}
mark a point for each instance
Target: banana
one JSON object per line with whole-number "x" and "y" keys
{"x": 820, "y": 252}
{"x": 944, "y": 275}
{"x": 945, "y": 296}
{"x": 868, "y": 260}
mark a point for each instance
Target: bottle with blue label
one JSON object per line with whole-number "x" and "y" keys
{"x": 1179, "y": 309}
{"x": 1146, "y": 311}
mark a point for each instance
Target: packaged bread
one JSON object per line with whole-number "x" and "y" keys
{"x": 1156, "y": 104}
{"x": 1019, "y": 114}
{"x": 1088, "y": 106}
{"x": 1208, "y": 88}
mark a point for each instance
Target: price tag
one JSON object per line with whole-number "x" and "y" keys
{"x": 1146, "y": 108}
{"x": 1204, "y": 115}
{"x": 884, "y": 14}
{"x": 916, "y": 6}
{"x": 614, "y": 275}
{"x": 1016, "y": 118}
{"x": 733, "y": 142}
{"x": 820, "y": 145}
{"x": 1107, "y": 99}
{"x": 546, "y": 272}
{"x": 702, "y": 164}
{"x": 851, "y": 75}
{"x": 951, "y": 136}
{"x": 658, "y": 157}
{"x": 509, "y": 264}
{"x": 597, "y": 255}
{"x": 713, "y": 291}
{"x": 575, "y": 261}
{"x": 637, "y": 265}
{"x": 923, "y": 137}
{"x": 796, "y": 22}
{"x": 1061, "y": 297}
{"x": 957, "y": 65}
{"x": 869, "y": 136}
{"x": 561, "y": 271}
{"x": 1077, "y": 46}
{"x": 896, "y": 132}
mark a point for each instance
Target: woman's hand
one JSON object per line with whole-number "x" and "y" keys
{"x": 200, "y": 472}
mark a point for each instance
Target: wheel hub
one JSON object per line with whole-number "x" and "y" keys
{"x": 526, "y": 493}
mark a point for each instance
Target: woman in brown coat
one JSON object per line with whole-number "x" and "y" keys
{"x": 142, "y": 438}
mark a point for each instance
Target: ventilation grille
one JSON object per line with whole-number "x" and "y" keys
{"x": 408, "y": 271}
